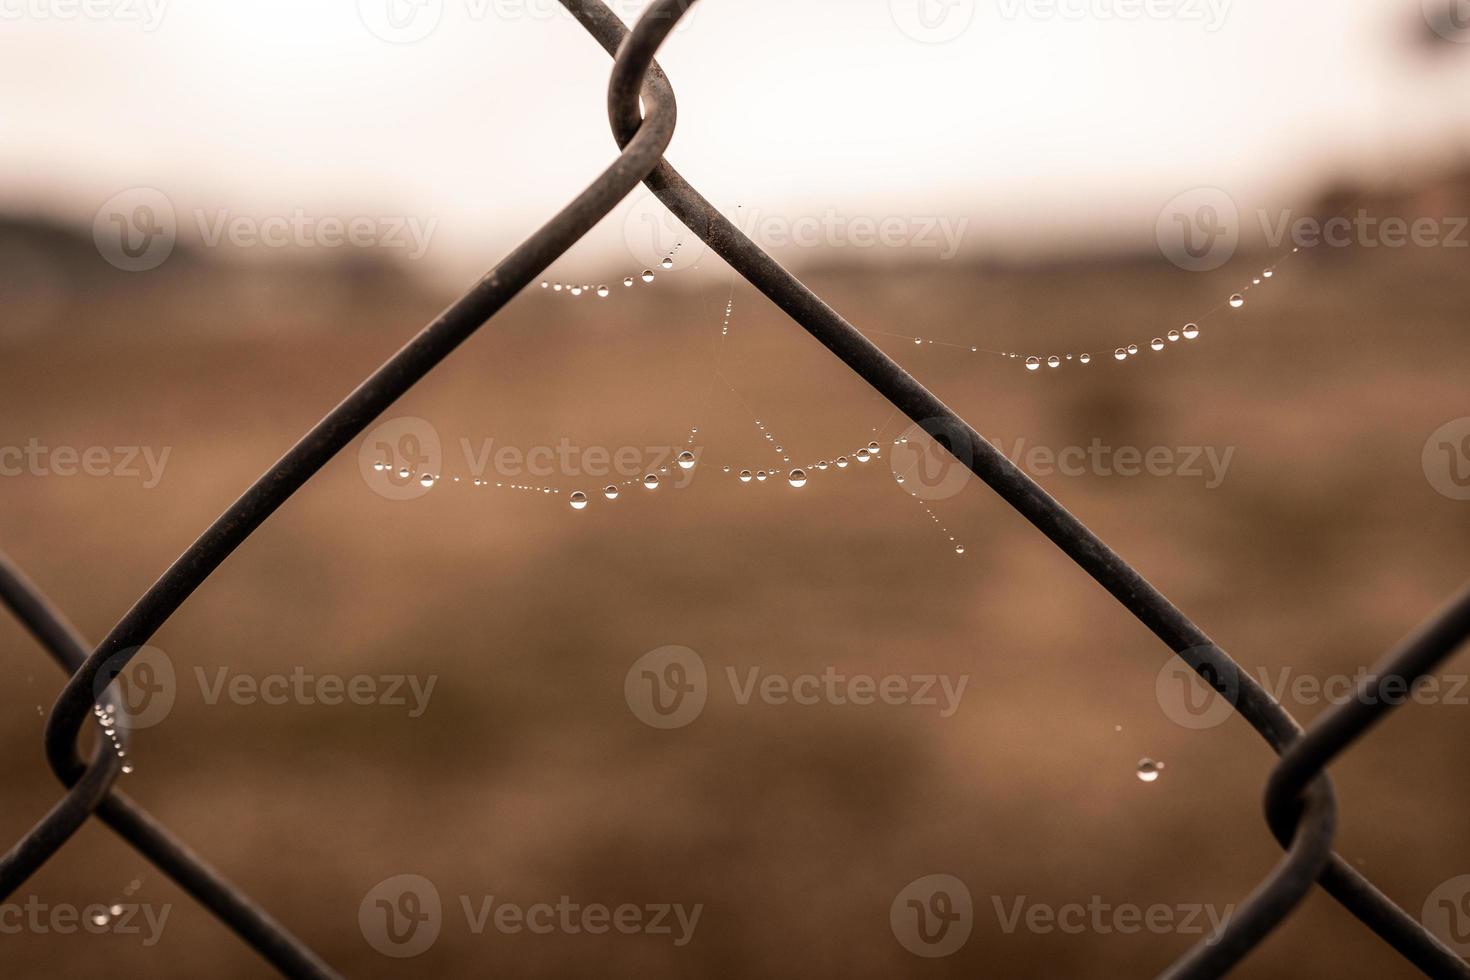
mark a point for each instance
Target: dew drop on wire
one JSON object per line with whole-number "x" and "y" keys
{"x": 686, "y": 460}
{"x": 602, "y": 292}
{"x": 1033, "y": 363}
{"x": 1157, "y": 343}
{"x": 959, "y": 549}
{"x": 1120, "y": 354}
{"x": 427, "y": 480}
{"x": 874, "y": 448}
{"x": 797, "y": 478}
{"x": 611, "y": 493}
{"x": 576, "y": 290}
{"x": 1085, "y": 358}
{"x": 1267, "y": 274}
{"x": 842, "y": 462}
{"x": 647, "y": 275}
{"x": 578, "y": 500}
{"x": 650, "y": 482}
{"x": 761, "y": 476}
{"x": 1237, "y": 301}
{"x": 862, "y": 455}
{"x": 666, "y": 264}
{"x": 1191, "y": 331}
{"x": 745, "y": 476}
{"x": 1132, "y": 349}
{"x": 1148, "y": 770}
{"x": 628, "y": 281}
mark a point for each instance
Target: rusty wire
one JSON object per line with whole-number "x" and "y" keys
{"x": 1300, "y": 807}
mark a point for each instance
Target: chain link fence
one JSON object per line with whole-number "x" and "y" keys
{"x": 1299, "y": 803}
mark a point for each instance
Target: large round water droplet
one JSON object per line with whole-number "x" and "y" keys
{"x": 1053, "y": 361}
{"x": 761, "y": 476}
{"x": 1148, "y": 770}
{"x": 647, "y": 275}
{"x": 1085, "y": 358}
{"x": 1120, "y": 354}
{"x": 1157, "y": 343}
{"x": 797, "y": 478}
{"x": 666, "y": 264}
{"x": 427, "y": 480}
{"x": 1132, "y": 348}
{"x": 1173, "y": 335}
{"x": 842, "y": 462}
{"x": 578, "y": 500}
{"x": 628, "y": 281}
{"x": 745, "y": 476}
{"x": 651, "y": 482}
{"x": 863, "y": 455}
{"x": 611, "y": 493}
{"x": 576, "y": 290}
{"x": 1191, "y": 331}
{"x": 959, "y": 549}
{"x": 686, "y": 460}
{"x": 1033, "y": 363}
{"x": 1237, "y": 301}
{"x": 874, "y": 448}
{"x": 603, "y": 291}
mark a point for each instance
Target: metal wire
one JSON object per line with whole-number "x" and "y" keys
{"x": 1300, "y": 806}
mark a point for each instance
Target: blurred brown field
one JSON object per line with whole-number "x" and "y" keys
{"x": 528, "y": 778}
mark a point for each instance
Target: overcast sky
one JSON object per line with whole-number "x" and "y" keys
{"x": 484, "y": 116}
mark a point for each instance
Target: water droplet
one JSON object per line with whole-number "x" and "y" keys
{"x": 427, "y": 480}
{"x": 1191, "y": 331}
{"x": 611, "y": 493}
{"x": 1173, "y": 336}
{"x": 797, "y": 478}
{"x": 1237, "y": 301}
{"x": 863, "y": 455}
{"x": 403, "y": 474}
{"x": 127, "y": 767}
{"x": 842, "y": 462}
{"x": 761, "y": 476}
{"x": 1121, "y": 354}
{"x": 545, "y": 284}
{"x": 686, "y": 460}
{"x": 1148, "y": 770}
{"x": 959, "y": 549}
{"x": 576, "y": 290}
{"x": 1132, "y": 349}
{"x": 578, "y": 500}
{"x": 603, "y": 291}
{"x": 1033, "y": 363}
{"x": 556, "y": 288}
{"x": 918, "y": 340}
{"x": 650, "y": 482}
{"x": 1085, "y": 358}
{"x": 99, "y": 919}
{"x": 1053, "y": 361}
{"x": 116, "y": 910}
{"x": 1157, "y": 343}
{"x": 647, "y": 275}
{"x": 666, "y": 264}
{"x": 1268, "y": 273}
{"x": 874, "y": 448}
{"x": 745, "y": 476}
{"x": 628, "y": 281}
